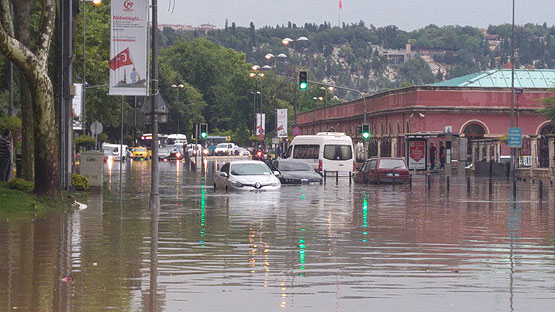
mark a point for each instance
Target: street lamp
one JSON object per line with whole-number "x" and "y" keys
{"x": 270, "y": 56}
{"x": 256, "y": 75}
{"x": 326, "y": 89}
{"x": 178, "y": 88}
{"x": 96, "y": 3}
{"x": 286, "y": 42}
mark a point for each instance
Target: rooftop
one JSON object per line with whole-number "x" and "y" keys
{"x": 501, "y": 78}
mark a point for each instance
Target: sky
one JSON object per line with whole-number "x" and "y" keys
{"x": 405, "y": 14}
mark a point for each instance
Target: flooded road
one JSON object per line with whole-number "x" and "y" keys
{"x": 305, "y": 248}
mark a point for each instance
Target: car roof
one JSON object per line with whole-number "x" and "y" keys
{"x": 237, "y": 162}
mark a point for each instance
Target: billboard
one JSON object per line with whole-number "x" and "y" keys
{"x": 417, "y": 154}
{"x": 77, "y": 106}
{"x": 129, "y": 47}
{"x": 260, "y": 126}
{"x": 281, "y": 123}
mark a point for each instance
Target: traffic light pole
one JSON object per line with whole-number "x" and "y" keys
{"x": 363, "y": 103}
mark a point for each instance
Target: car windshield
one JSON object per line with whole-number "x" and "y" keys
{"x": 392, "y": 164}
{"x": 140, "y": 149}
{"x": 222, "y": 145}
{"x": 250, "y": 169}
{"x": 294, "y": 166}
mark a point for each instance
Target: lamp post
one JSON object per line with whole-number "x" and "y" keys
{"x": 83, "y": 95}
{"x": 178, "y": 88}
{"x": 513, "y": 150}
{"x": 256, "y": 75}
{"x": 286, "y": 42}
{"x": 326, "y": 89}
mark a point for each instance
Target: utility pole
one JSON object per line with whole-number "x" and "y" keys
{"x": 513, "y": 150}
{"x": 155, "y": 179}
{"x": 66, "y": 123}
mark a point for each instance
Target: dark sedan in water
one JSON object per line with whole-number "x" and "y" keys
{"x": 383, "y": 170}
{"x": 294, "y": 171}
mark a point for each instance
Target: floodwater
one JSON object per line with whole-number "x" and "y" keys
{"x": 305, "y": 248}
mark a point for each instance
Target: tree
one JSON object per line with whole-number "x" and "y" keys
{"x": 32, "y": 60}
{"x": 549, "y": 109}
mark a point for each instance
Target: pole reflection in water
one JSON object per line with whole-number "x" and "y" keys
{"x": 513, "y": 227}
{"x": 154, "y": 221}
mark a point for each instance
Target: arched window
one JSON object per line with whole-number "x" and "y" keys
{"x": 398, "y": 127}
{"x": 389, "y": 130}
{"x": 381, "y": 128}
{"x": 548, "y": 129}
{"x": 474, "y": 131}
{"x": 407, "y": 127}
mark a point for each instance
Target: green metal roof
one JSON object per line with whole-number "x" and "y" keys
{"x": 501, "y": 78}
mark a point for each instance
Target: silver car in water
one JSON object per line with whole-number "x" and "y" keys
{"x": 246, "y": 175}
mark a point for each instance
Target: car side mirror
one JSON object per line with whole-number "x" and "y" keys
{"x": 223, "y": 174}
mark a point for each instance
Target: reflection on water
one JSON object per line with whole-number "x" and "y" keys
{"x": 306, "y": 248}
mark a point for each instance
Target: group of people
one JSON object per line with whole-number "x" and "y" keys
{"x": 433, "y": 152}
{"x": 5, "y": 155}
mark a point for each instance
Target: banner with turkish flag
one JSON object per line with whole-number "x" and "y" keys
{"x": 129, "y": 47}
{"x": 340, "y": 5}
{"x": 122, "y": 59}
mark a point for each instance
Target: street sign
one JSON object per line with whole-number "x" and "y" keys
{"x": 228, "y": 138}
{"x": 515, "y": 137}
{"x": 96, "y": 128}
{"x": 296, "y": 131}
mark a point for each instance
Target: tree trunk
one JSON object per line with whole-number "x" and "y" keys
{"x": 46, "y": 148}
{"x": 22, "y": 12}
{"x": 33, "y": 62}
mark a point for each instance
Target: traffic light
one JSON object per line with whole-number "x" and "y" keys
{"x": 303, "y": 80}
{"x": 365, "y": 131}
{"x": 203, "y": 130}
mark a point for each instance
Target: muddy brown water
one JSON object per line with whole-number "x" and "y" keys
{"x": 305, "y": 248}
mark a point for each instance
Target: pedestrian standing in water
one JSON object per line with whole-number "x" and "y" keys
{"x": 5, "y": 155}
{"x": 441, "y": 155}
{"x": 433, "y": 152}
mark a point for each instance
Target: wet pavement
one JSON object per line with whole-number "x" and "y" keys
{"x": 305, "y": 248}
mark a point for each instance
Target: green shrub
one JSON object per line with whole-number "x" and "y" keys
{"x": 80, "y": 182}
{"x": 21, "y": 185}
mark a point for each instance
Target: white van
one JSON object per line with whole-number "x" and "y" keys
{"x": 177, "y": 139}
{"x": 325, "y": 151}
{"x": 111, "y": 151}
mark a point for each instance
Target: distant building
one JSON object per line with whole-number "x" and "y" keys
{"x": 475, "y": 107}
{"x": 180, "y": 27}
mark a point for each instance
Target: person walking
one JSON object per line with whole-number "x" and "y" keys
{"x": 5, "y": 155}
{"x": 433, "y": 152}
{"x": 441, "y": 155}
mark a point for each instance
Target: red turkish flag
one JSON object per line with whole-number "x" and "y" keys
{"x": 340, "y": 5}
{"x": 122, "y": 59}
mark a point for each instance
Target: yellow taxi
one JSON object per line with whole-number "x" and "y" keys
{"x": 140, "y": 152}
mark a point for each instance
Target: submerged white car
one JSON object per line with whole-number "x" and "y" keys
{"x": 246, "y": 175}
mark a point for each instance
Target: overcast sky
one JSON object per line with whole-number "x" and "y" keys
{"x": 406, "y": 14}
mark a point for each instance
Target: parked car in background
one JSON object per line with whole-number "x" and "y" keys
{"x": 112, "y": 151}
{"x": 246, "y": 175}
{"x": 383, "y": 170}
{"x": 140, "y": 152}
{"x": 164, "y": 153}
{"x": 240, "y": 151}
{"x": 292, "y": 171}
{"x": 224, "y": 149}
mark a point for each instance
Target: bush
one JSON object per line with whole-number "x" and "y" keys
{"x": 21, "y": 185}
{"x": 80, "y": 182}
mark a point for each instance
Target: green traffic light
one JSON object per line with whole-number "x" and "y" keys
{"x": 203, "y": 135}
{"x": 303, "y": 85}
{"x": 366, "y": 135}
